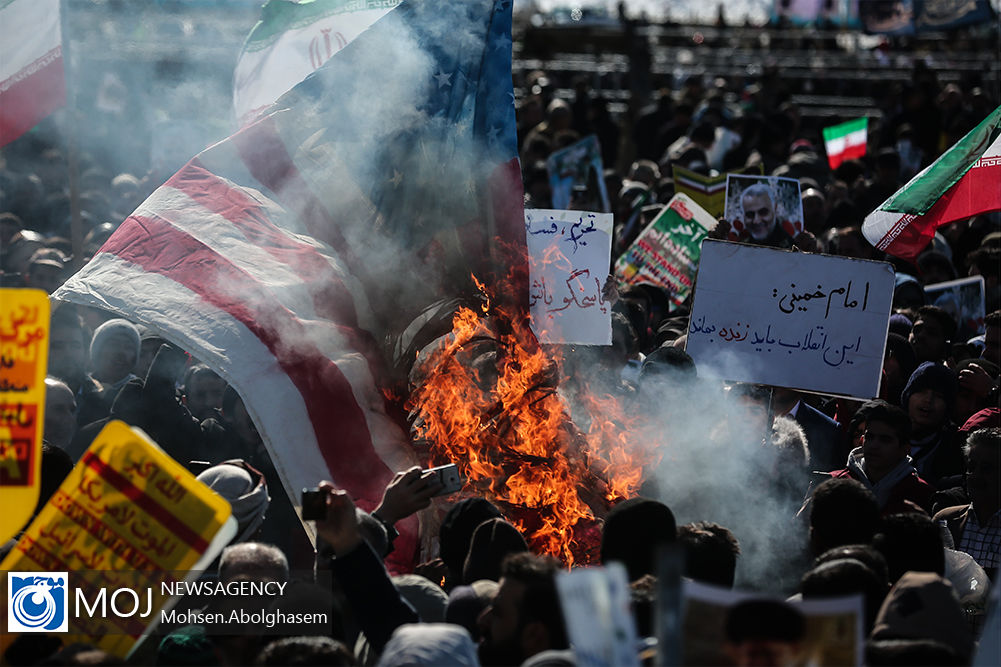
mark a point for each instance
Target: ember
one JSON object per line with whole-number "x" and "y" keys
{"x": 487, "y": 400}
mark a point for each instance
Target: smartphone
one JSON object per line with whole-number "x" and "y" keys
{"x": 314, "y": 505}
{"x": 449, "y": 477}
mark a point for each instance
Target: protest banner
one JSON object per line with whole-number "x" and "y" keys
{"x": 709, "y": 192}
{"x": 576, "y": 176}
{"x": 963, "y": 299}
{"x": 569, "y": 253}
{"x": 790, "y": 319}
{"x": 24, "y": 353}
{"x": 125, "y": 518}
{"x": 762, "y": 207}
{"x": 596, "y": 608}
{"x": 831, "y": 628}
{"x": 666, "y": 253}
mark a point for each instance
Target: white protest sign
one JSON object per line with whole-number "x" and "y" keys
{"x": 569, "y": 255}
{"x": 790, "y": 319}
{"x": 600, "y": 626}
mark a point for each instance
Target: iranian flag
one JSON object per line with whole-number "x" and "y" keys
{"x": 32, "y": 84}
{"x": 965, "y": 181}
{"x": 846, "y": 141}
{"x": 290, "y": 42}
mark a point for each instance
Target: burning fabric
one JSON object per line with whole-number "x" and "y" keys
{"x": 485, "y": 397}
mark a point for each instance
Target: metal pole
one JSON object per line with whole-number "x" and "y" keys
{"x": 72, "y": 141}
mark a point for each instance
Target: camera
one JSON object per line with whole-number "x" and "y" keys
{"x": 314, "y": 505}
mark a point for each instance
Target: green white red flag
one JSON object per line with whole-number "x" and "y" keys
{"x": 846, "y": 141}
{"x": 32, "y": 83}
{"x": 290, "y": 42}
{"x": 965, "y": 181}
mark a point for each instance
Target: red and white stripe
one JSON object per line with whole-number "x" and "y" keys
{"x": 206, "y": 263}
{"x": 906, "y": 235}
{"x": 32, "y": 84}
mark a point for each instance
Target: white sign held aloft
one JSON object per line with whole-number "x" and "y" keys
{"x": 569, "y": 256}
{"x": 790, "y": 319}
{"x": 595, "y": 603}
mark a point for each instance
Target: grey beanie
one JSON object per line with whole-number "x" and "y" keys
{"x": 244, "y": 487}
{"x": 116, "y": 326}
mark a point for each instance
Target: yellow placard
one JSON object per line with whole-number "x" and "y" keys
{"x": 24, "y": 352}
{"x": 127, "y": 517}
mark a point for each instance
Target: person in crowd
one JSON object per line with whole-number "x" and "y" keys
{"x": 114, "y": 351}
{"x": 246, "y": 491}
{"x": 525, "y": 618}
{"x": 823, "y": 434}
{"x": 932, "y": 334}
{"x": 910, "y": 541}
{"x": 60, "y": 414}
{"x": 634, "y": 531}
{"x": 928, "y": 398}
{"x": 376, "y": 604}
{"x": 429, "y": 645}
{"x": 307, "y": 650}
{"x": 456, "y": 535}
{"x": 842, "y": 511}
{"x": 69, "y": 359}
{"x": 976, "y": 528}
{"x": 711, "y": 552}
{"x": 764, "y": 632}
{"x": 846, "y": 576}
{"x": 921, "y": 606}
{"x": 882, "y": 463}
{"x": 46, "y": 270}
{"x": 492, "y": 542}
{"x": 202, "y": 391}
{"x": 976, "y": 380}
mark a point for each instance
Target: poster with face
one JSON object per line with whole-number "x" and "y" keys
{"x": 761, "y": 209}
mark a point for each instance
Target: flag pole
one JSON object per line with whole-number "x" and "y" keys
{"x": 72, "y": 144}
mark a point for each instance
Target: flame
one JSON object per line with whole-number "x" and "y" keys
{"x": 487, "y": 400}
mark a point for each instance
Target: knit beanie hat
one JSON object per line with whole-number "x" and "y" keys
{"x": 106, "y": 331}
{"x": 428, "y": 598}
{"x": 492, "y": 541}
{"x": 930, "y": 375}
{"x": 457, "y": 529}
{"x": 244, "y": 487}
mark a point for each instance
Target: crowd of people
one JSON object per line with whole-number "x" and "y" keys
{"x": 898, "y": 498}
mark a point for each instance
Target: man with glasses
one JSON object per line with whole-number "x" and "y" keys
{"x": 882, "y": 462}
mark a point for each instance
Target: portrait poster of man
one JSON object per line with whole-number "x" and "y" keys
{"x": 764, "y": 210}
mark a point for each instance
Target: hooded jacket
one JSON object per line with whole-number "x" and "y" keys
{"x": 900, "y": 484}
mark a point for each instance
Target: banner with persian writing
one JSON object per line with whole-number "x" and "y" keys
{"x": 127, "y": 515}
{"x": 667, "y": 252}
{"x": 569, "y": 254}
{"x": 24, "y": 354}
{"x": 790, "y": 319}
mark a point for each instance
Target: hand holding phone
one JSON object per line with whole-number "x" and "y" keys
{"x": 446, "y": 475}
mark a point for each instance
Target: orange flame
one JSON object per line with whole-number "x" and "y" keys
{"x": 488, "y": 401}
